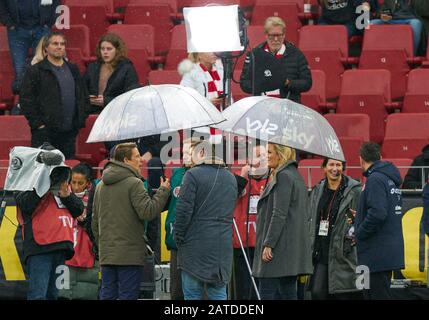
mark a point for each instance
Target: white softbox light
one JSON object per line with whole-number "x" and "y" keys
{"x": 212, "y": 29}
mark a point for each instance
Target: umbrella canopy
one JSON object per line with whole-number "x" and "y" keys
{"x": 153, "y": 110}
{"x": 283, "y": 122}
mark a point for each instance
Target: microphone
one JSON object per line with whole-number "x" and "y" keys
{"x": 49, "y": 158}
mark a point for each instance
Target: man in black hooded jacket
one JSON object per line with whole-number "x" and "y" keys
{"x": 378, "y": 224}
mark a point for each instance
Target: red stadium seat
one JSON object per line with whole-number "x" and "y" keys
{"x": 311, "y": 171}
{"x": 164, "y": 77}
{"x": 107, "y": 4}
{"x": 289, "y": 12}
{"x": 76, "y": 56}
{"x": 326, "y": 48}
{"x": 417, "y": 96}
{"x": 95, "y": 16}
{"x": 4, "y": 165}
{"x": 406, "y": 135}
{"x": 156, "y": 15}
{"x": 350, "y": 125}
{"x": 382, "y": 51}
{"x": 91, "y": 153}
{"x": 350, "y": 146}
{"x": 138, "y": 37}
{"x": 14, "y": 132}
{"x": 7, "y": 75}
{"x": 237, "y": 93}
{"x": 256, "y": 36}
{"x": 402, "y": 164}
{"x": 315, "y": 98}
{"x": 352, "y": 130}
{"x": 368, "y": 92}
{"x": 178, "y": 48}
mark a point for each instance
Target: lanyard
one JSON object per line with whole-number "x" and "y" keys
{"x": 330, "y": 206}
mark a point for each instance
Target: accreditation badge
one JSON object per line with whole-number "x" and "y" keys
{"x": 324, "y": 228}
{"x": 253, "y": 208}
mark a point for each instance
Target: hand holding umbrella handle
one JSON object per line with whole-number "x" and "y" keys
{"x": 165, "y": 183}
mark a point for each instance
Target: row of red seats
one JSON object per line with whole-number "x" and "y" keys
{"x": 362, "y": 91}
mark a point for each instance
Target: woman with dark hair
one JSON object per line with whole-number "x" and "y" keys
{"x": 332, "y": 203}
{"x": 112, "y": 74}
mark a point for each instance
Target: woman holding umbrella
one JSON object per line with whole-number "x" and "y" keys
{"x": 283, "y": 226}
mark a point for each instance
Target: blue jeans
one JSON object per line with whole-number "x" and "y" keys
{"x": 42, "y": 277}
{"x": 20, "y": 41}
{"x": 283, "y": 288}
{"x": 120, "y": 282}
{"x": 415, "y": 24}
{"x": 193, "y": 289}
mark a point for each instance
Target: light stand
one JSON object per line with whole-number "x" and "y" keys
{"x": 228, "y": 37}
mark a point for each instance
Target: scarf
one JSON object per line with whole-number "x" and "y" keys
{"x": 214, "y": 84}
{"x": 214, "y": 90}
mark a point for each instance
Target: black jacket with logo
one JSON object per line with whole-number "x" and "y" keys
{"x": 263, "y": 72}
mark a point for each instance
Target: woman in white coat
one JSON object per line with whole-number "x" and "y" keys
{"x": 203, "y": 71}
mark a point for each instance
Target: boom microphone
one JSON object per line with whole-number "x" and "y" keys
{"x": 50, "y": 158}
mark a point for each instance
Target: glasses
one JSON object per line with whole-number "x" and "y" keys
{"x": 275, "y": 35}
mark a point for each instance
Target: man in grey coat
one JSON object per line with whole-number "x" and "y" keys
{"x": 203, "y": 226}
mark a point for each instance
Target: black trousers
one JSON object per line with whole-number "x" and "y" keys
{"x": 379, "y": 286}
{"x": 176, "y": 291}
{"x": 244, "y": 289}
{"x": 63, "y": 141}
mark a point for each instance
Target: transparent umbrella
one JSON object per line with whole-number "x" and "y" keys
{"x": 153, "y": 110}
{"x": 283, "y": 122}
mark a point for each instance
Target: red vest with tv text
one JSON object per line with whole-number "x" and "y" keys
{"x": 241, "y": 210}
{"x": 50, "y": 223}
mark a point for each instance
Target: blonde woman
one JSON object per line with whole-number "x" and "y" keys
{"x": 282, "y": 250}
{"x": 40, "y": 52}
{"x": 203, "y": 71}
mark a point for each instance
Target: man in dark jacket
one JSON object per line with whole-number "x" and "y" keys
{"x": 27, "y": 22}
{"x": 203, "y": 226}
{"x": 48, "y": 232}
{"x": 276, "y": 68}
{"x": 401, "y": 12}
{"x": 378, "y": 224}
{"x": 414, "y": 178}
{"x": 54, "y": 98}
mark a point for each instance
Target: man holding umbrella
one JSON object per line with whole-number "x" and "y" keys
{"x": 203, "y": 226}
